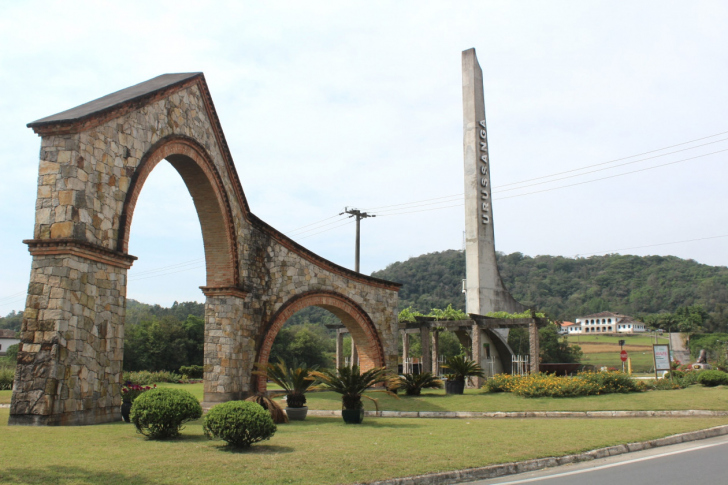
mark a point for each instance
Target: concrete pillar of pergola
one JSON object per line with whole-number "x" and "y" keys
{"x": 534, "y": 350}
{"x": 425, "y": 341}
{"x": 435, "y": 352}
{"x": 340, "y": 348}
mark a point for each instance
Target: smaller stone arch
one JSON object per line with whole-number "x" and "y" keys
{"x": 352, "y": 316}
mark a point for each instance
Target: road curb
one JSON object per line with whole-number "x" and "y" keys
{"x": 495, "y": 471}
{"x": 690, "y": 413}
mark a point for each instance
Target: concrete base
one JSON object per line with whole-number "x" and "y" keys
{"x": 77, "y": 418}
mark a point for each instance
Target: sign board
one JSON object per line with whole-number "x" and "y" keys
{"x": 662, "y": 356}
{"x": 623, "y": 355}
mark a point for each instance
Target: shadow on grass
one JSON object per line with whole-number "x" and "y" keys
{"x": 62, "y": 475}
{"x": 257, "y": 449}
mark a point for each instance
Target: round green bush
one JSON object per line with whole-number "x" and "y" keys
{"x": 160, "y": 413}
{"x": 240, "y": 423}
{"x": 712, "y": 378}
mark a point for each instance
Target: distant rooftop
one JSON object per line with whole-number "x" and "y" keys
{"x": 118, "y": 98}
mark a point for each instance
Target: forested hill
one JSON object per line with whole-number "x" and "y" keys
{"x": 566, "y": 288}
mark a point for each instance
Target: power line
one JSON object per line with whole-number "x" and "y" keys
{"x": 312, "y": 224}
{"x": 611, "y": 176}
{"x": 499, "y": 187}
{"x": 653, "y": 245}
{"x": 135, "y": 275}
{"x": 318, "y": 227}
{"x": 12, "y": 297}
{"x": 423, "y": 205}
{"x": 329, "y": 229}
{"x": 626, "y": 158}
{"x": 424, "y": 210}
{"x": 593, "y": 171}
{"x": 167, "y": 273}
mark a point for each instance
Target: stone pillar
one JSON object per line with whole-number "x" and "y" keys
{"x": 339, "y": 348}
{"x": 354, "y": 354}
{"x": 405, "y": 350}
{"x": 534, "y": 347}
{"x": 477, "y": 349}
{"x": 72, "y": 337}
{"x": 229, "y": 350}
{"x": 426, "y": 355}
{"x": 435, "y": 352}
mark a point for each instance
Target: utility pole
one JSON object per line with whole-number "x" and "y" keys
{"x": 359, "y": 216}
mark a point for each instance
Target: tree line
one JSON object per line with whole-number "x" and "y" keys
{"x": 567, "y": 288}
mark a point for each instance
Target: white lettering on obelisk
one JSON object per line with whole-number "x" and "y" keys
{"x": 485, "y": 206}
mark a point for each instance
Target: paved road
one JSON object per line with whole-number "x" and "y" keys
{"x": 704, "y": 461}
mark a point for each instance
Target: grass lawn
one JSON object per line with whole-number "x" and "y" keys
{"x": 694, "y": 397}
{"x": 318, "y": 450}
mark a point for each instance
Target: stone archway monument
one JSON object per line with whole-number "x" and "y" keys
{"x": 94, "y": 161}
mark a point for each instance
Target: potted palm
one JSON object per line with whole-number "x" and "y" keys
{"x": 460, "y": 368}
{"x": 295, "y": 382}
{"x": 351, "y": 383}
{"x": 414, "y": 383}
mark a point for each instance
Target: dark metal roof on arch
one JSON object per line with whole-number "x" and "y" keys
{"x": 114, "y": 100}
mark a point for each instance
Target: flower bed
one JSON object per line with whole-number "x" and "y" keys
{"x": 547, "y": 385}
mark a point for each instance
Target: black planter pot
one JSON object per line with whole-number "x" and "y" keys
{"x": 125, "y": 409}
{"x": 454, "y": 387}
{"x": 353, "y": 416}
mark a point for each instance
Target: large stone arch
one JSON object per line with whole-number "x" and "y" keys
{"x": 352, "y": 316}
{"x": 94, "y": 161}
{"x": 205, "y": 185}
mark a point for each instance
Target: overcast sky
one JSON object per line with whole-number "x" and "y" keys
{"x": 334, "y": 104}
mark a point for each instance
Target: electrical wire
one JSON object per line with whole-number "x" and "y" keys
{"x": 653, "y": 245}
{"x": 319, "y": 227}
{"x": 625, "y": 158}
{"x": 312, "y": 224}
{"x": 329, "y": 229}
{"x": 597, "y": 170}
{"x": 612, "y": 176}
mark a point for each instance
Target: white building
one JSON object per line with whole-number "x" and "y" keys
{"x": 7, "y": 338}
{"x": 605, "y": 322}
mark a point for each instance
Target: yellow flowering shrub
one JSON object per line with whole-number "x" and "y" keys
{"x": 549, "y": 385}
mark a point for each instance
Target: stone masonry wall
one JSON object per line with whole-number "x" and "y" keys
{"x": 72, "y": 337}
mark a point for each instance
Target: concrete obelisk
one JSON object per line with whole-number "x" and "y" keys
{"x": 485, "y": 289}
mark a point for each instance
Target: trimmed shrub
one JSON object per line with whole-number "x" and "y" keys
{"x": 240, "y": 423}
{"x": 146, "y": 378}
{"x": 6, "y": 378}
{"x": 712, "y": 378}
{"x": 160, "y": 413}
{"x": 192, "y": 371}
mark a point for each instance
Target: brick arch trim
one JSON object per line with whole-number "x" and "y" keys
{"x": 226, "y": 274}
{"x": 359, "y": 323}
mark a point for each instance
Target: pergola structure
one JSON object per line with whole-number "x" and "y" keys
{"x": 470, "y": 333}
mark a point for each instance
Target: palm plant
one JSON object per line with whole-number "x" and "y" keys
{"x": 274, "y": 409}
{"x": 294, "y": 381}
{"x": 461, "y": 367}
{"x": 351, "y": 383}
{"x": 414, "y": 383}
